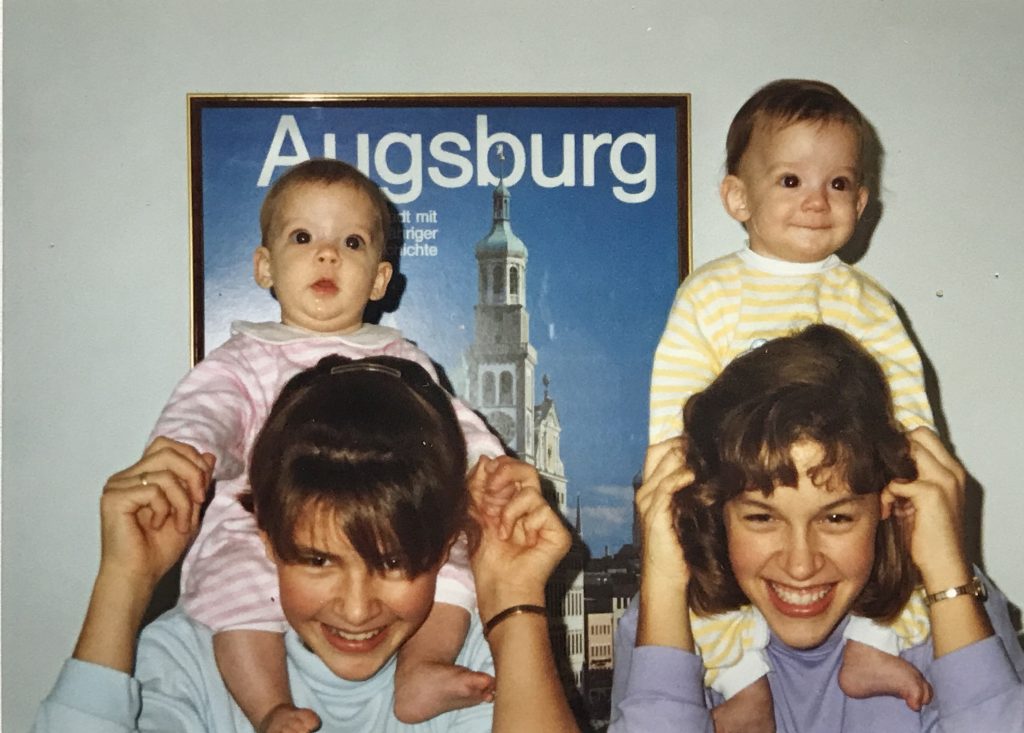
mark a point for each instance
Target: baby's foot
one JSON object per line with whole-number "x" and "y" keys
{"x": 867, "y": 672}
{"x": 748, "y": 711}
{"x": 290, "y": 719}
{"x": 426, "y": 689}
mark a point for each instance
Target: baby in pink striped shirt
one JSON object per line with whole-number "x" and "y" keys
{"x": 324, "y": 229}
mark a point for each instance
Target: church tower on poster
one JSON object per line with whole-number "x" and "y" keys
{"x": 501, "y": 366}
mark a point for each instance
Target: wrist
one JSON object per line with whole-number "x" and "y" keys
{"x": 940, "y": 576}
{"x": 497, "y": 599}
{"x": 122, "y": 596}
{"x": 656, "y": 582}
{"x": 511, "y": 612}
{"x": 112, "y": 621}
{"x": 974, "y": 588}
{"x": 125, "y": 586}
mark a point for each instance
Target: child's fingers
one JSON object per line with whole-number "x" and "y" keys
{"x": 534, "y": 522}
{"x": 520, "y": 505}
{"x": 147, "y": 504}
{"x": 937, "y": 478}
{"x": 661, "y": 488}
{"x": 191, "y": 467}
{"x": 665, "y": 468}
{"x": 161, "y": 495}
{"x": 167, "y": 464}
{"x": 659, "y": 453}
{"x": 493, "y": 503}
{"x": 505, "y": 472}
{"x": 476, "y": 479}
{"x": 497, "y": 481}
{"x": 181, "y": 501}
{"x": 932, "y": 443}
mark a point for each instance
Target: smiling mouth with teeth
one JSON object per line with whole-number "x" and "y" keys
{"x": 802, "y": 596}
{"x": 349, "y": 636}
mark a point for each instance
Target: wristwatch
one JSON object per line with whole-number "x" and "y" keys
{"x": 973, "y": 588}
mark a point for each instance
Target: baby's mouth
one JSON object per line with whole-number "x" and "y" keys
{"x": 324, "y": 286}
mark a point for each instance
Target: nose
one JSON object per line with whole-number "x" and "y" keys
{"x": 801, "y": 558}
{"x": 356, "y": 600}
{"x": 816, "y": 200}
{"x": 327, "y": 252}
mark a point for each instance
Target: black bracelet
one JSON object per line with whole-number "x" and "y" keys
{"x": 513, "y": 611}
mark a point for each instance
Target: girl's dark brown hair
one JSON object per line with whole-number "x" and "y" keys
{"x": 376, "y": 445}
{"x": 819, "y": 385}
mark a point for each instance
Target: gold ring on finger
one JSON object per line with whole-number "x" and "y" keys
{"x": 145, "y": 481}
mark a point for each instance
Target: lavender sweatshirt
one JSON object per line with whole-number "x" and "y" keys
{"x": 978, "y": 689}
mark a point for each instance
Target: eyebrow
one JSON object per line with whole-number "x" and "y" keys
{"x": 305, "y": 550}
{"x": 792, "y": 165}
{"x": 852, "y": 499}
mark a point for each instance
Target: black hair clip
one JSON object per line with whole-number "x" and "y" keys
{"x": 366, "y": 366}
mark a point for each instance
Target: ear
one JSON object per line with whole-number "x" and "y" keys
{"x": 734, "y": 198}
{"x": 261, "y": 268}
{"x": 381, "y": 280}
{"x": 862, "y": 200}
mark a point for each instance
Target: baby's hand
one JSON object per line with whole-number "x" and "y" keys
{"x": 290, "y": 719}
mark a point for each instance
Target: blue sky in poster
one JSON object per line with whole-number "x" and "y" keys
{"x": 600, "y": 275}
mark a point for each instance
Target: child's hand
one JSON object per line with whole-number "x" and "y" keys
{"x": 490, "y": 491}
{"x": 931, "y": 509}
{"x": 665, "y": 473}
{"x": 290, "y": 719}
{"x": 521, "y": 544}
{"x": 194, "y": 470}
{"x": 149, "y": 512}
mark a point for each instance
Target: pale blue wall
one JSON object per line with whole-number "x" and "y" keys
{"x": 96, "y": 209}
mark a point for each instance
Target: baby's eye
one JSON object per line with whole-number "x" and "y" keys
{"x": 301, "y": 236}
{"x": 789, "y": 181}
{"x": 354, "y": 242}
{"x": 841, "y": 184}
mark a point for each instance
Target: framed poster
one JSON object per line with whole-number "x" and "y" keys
{"x": 542, "y": 241}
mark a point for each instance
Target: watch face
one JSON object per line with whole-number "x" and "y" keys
{"x": 977, "y": 589}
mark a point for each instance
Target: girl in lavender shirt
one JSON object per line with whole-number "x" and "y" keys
{"x": 795, "y": 490}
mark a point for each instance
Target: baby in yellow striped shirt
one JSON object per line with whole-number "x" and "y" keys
{"x": 794, "y": 180}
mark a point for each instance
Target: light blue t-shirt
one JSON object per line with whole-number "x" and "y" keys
{"x": 177, "y": 688}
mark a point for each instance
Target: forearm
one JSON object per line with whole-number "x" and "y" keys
{"x": 956, "y": 622}
{"x": 112, "y": 621}
{"x": 664, "y": 614}
{"x": 528, "y": 694}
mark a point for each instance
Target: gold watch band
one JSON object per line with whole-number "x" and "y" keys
{"x": 973, "y": 588}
